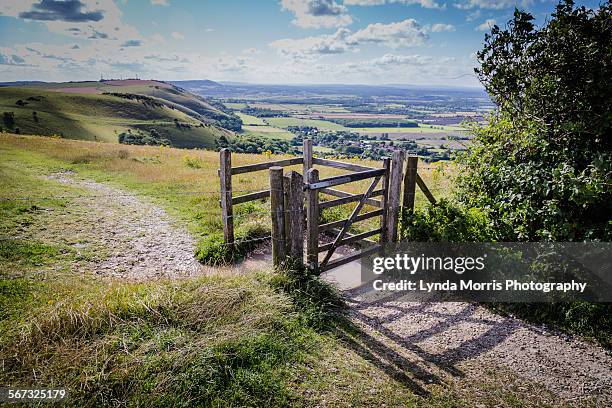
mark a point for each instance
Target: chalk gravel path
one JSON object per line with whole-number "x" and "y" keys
{"x": 467, "y": 346}
{"x": 140, "y": 240}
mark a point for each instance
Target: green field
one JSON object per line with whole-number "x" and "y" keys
{"x": 320, "y": 124}
{"x": 227, "y": 338}
{"x": 268, "y": 132}
{"x": 424, "y": 129}
{"x": 234, "y": 105}
{"x": 250, "y": 120}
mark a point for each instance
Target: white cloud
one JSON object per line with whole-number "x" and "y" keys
{"x": 177, "y": 36}
{"x": 159, "y": 2}
{"x": 407, "y": 33}
{"x": 430, "y": 4}
{"x": 392, "y": 59}
{"x": 492, "y": 4}
{"x": 486, "y": 26}
{"x": 473, "y": 15}
{"x": 317, "y": 13}
{"x": 209, "y": 30}
{"x": 324, "y": 44}
{"x": 437, "y": 28}
{"x": 227, "y": 63}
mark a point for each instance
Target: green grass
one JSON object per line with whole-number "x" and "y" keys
{"x": 250, "y": 120}
{"x": 102, "y": 117}
{"x": 254, "y": 126}
{"x": 422, "y": 129}
{"x": 290, "y": 121}
{"x": 236, "y": 106}
{"x": 164, "y": 175}
{"x": 267, "y": 132}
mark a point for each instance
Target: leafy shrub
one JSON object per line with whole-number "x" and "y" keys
{"x": 446, "y": 222}
{"x": 152, "y": 138}
{"x": 542, "y": 163}
{"x": 192, "y": 162}
{"x": 539, "y": 169}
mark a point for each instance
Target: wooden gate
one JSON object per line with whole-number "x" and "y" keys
{"x": 384, "y": 183}
{"x": 290, "y": 192}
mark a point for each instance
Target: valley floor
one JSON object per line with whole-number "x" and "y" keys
{"x": 100, "y": 292}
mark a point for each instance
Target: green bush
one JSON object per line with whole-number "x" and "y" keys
{"x": 446, "y": 222}
{"x": 542, "y": 164}
{"x": 539, "y": 169}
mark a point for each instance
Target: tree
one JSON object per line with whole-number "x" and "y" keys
{"x": 8, "y": 119}
{"x": 542, "y": 164}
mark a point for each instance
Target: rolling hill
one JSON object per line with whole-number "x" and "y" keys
{"x": 103, "y": 110}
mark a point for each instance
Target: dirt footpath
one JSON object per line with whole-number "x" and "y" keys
{"x": 122, "y": 234}
{"x": 466, "y": 344}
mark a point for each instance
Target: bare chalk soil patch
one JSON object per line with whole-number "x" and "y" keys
{"x": 125, "y": 235}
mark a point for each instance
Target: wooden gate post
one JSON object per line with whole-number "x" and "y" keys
{"x": 385, "y": 199}
{"x": 225, "y": 175}
{"x": 277, "y": 204}
{"x": 395, "y": 187}
{"x": 307, "y": 165}
{"x": 410, "y": 183}
{"x": 312, "y": 220}
{"x": 294, "y": 215}
{"x": 307, "y": 152}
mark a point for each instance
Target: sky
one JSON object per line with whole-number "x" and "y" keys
{"x": 417, "y": 42}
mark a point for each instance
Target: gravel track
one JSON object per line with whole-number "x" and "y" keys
{"x": 464, "y": 344}
{"x": 139, "y": 239}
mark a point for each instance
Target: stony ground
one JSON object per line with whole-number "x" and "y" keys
{"x": 118, "y": 234}
{"x": 466, "y": 344}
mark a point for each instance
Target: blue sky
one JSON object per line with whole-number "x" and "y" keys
{"x": 421, "y": 42}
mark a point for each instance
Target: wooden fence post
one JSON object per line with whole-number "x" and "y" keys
{"x": 395, "y": 187}
{"x": 225, "y": 175}
{"x": 307, "y": 165}
{"x": 385, "y": 198}
{"x": 307, "y": 152}
{"x": 277, "y": 204}
{"x": 294, "y": 215}
{"x": 312, "y": 219}
{"x": 410, "y": 183}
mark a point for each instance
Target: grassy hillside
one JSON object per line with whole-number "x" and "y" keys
{"x": 100, "y": 111}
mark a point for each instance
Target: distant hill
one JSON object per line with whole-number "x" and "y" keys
{"x": 283, "y": 93}
{"x": 103, "y": 110}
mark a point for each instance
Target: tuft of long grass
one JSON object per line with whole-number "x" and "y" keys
{"x": 206, "y": 341}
